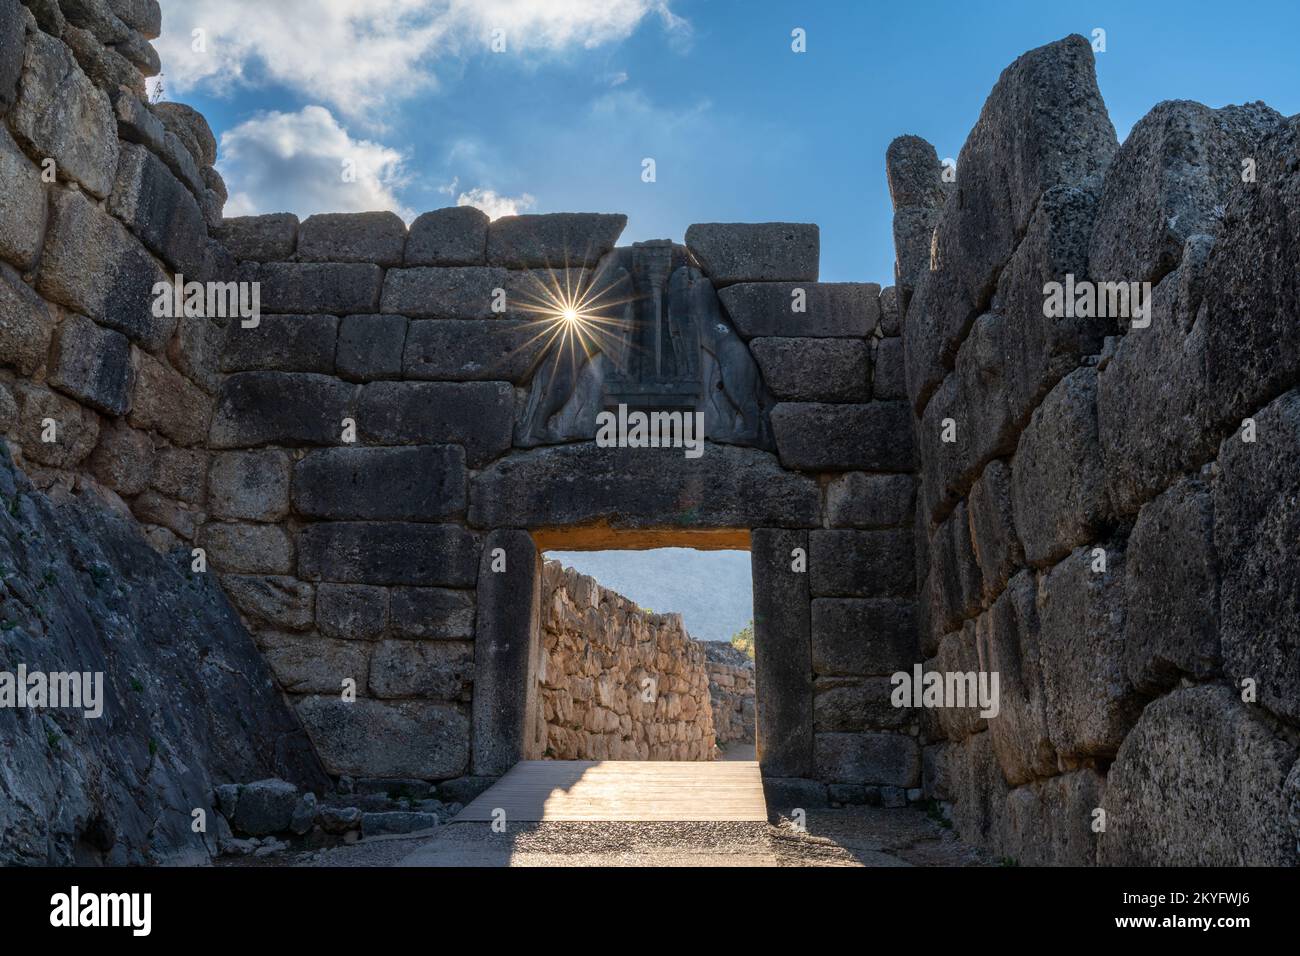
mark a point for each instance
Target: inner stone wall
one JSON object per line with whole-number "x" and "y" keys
{"x": 617, "y": 682}
{"x": 1112, "y": 524}
{"x": 731, "y": 691}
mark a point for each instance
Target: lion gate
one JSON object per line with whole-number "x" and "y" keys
{"x": 424, "y": 407}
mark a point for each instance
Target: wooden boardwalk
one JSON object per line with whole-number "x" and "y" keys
{"x": 651, "y": 790}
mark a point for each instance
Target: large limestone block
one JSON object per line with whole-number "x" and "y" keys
{"x": 460, "y": 292}
{"x": 1007, "y": 641}
{"x": 861, "y": 563}
{"x": 281, "y": 343}
{"x": 993, "y": 528}
{"x": 813, "y": 436}
{"x": 165, "y": 401}
{"x": 553, "y": 241}
{"x": 455, "y": 236}
{"x": 472, "y": 350}
{"x": 1256, "y": 526}
{"x": 420, "y": 483}
{"x": 61, "y": 114}
{"x": 13, "y": 44}
{"x": 388, "y": 553}
{"x": 505, "y": 654}
{"x": 442, "y": 670}
{"x": 160, "y": 210}
{"x": 280, "y": 408}
{"x": 75, "y": 429}
{"x": 815, "y": 370}
{"x": 311, "y": 664}
{"x": 371, "y": 738}
{"x": 1090, "y": 703}
{"x": 477, "y": 415}
{"x": 756, "y": 252}
{"x": 1058, "y": 484}
{"x": 1171, "y": 590}
{"x": 370, "y": 347}
{"x": 978, "y": 792}
{"x": 874, "y": 759}
{"x": 22, "y": 202}
{"x": 861, "y": 500}
{"x": 783, "y": 654}
{"x": 582, "y": 484}
{"x": 94, "y": 266}
{"x": 856, "y": 704}
{"x": 955, "y": 574}
{"x": 1201, "y": 781}
{"x": 93, "y": 365}
{"x": 1050, "y": 822}
{"x": 26, "y": 325}
{"x": 1170, "y": 180}
{"x": 269, "y": 238}
{"x": 376, "y": 237}
{"x": 249, "y": 485}
{"x": 853, "y": 636}
{"x": 438, "y": 614}
{"x": 829, "y": 309}
{"x": 335, "y": 288}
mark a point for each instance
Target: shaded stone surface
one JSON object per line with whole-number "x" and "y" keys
{"x": 862, "y": 637}
{"x": 455, "y": 236}
{"x": 282, "y": 343}
{"x": 782, "y": 654}
{"x": 477, "y": 415}
{"x": 280, "y": 408}
{"x": 806, "y": 369}
{"x": 421, "y": 483}
{"x": 388, "y": 553}
{"x": 756, "y": 252}
{"x": 831, "y": 309}
{"x": 412, "y": 738}
{"x": 554, "y": 240}
{"x": 378, "y": 237}
{"x": 821, "y": 437}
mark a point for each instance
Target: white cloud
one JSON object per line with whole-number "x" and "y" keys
{"x": 295, "y": 162}
{"x": 494, "y": 204}
{"x": 356, "y": 54}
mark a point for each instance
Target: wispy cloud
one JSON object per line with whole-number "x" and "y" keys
{"x": 494, "y": 204}
{"x": 355, "y": 55}
{"x": 305, "y": 163}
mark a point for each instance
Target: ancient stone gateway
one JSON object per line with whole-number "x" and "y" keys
{"x": 476, "y": 450}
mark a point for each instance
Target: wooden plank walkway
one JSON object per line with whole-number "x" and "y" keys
{"x": 651, "y": 790}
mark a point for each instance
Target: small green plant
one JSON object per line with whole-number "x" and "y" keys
{"x": 1008, "y": 861}
{"x": 153, "y": 747}
{"x": 743, "y": 640}
{"x": 52, "y": 739}
{"x": 934, "y": 811}
{"x": 136, "y": 685}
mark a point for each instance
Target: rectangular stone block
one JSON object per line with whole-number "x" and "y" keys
{"x": 860, "y": 500}
{"x": 783, "y": 652}
{"x": 281, "y": 343}
{"x": 756, "y": 251}
{"x": 856, "y": 704}
{"x": 92, "y": 265}
{"x": 22, "y": 203}
{"x": 377, "y": 237}
{"x": 1058, "y": 483}
{"x": 165, "y": 401}
{"x": 93, "y": 365}
{"x": 249, "y": 485}
{"x": 463, "y": 351}
{"x": 888, "y": 375}
{"x": 26, "y": 324}
{"x": 13, "y": 44}
{"x": 828, "y": 309}
{"x": 453, "y": 292}
{"x": 554, "y": 241}
{"x": 388, "y": 553}
{"x": 370, "y": 347}
{"x": 955, "y": 573}
{"x": 852, "y": 636}
{"x": 1090, "y": 703}
{"x": 861, "y": 563}
{"x": 160, "y": 210}
{"x": 454, "y": 236}
{"x": 280, "y": 408}
{"x": 354, "y": 612}
{"x": 477, "y": 415}
{"x": 311, "y": 664}
{"x": 1171, "y": 588}
{"x": 820, "y": 437}
{"x": 874, "y": 759}
{"x": 815, "y": 370}
{"x": 275, "y": 601}
{"x": 438, "y": 614}
{"x": 442, "y": 670}
{"x": 247, "y": 548}
{"x": 506, "y": 652}
{"x": 61, "y": 114}
{"x": 319, "y": 287}
{"x": 269, "y": 238}
{"x": 993, "y": 528}
{"x": 371, "y": 738}
{"x": 421, "y": 483}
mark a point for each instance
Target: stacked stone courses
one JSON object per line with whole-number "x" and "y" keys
{"x": 1103, "y": 531}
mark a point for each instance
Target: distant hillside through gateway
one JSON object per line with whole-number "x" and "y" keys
{"x": 712, "y": 590}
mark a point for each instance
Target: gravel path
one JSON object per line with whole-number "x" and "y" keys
{"x": 855, "y": 836}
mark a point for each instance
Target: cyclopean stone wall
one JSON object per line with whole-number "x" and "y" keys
{"x": 1113, "y": 525}
{"x": 731, "y": 692}
{"x": 616, "y": 682}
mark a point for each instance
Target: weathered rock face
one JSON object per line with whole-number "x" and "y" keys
{"x": 731, "y": 692}
{"x": 1098, "y": 525}
{"x": 617, "y": 682}
{"x": 187, "y": 700}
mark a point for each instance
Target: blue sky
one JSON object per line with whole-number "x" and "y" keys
{"x": 739, "y": 126}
